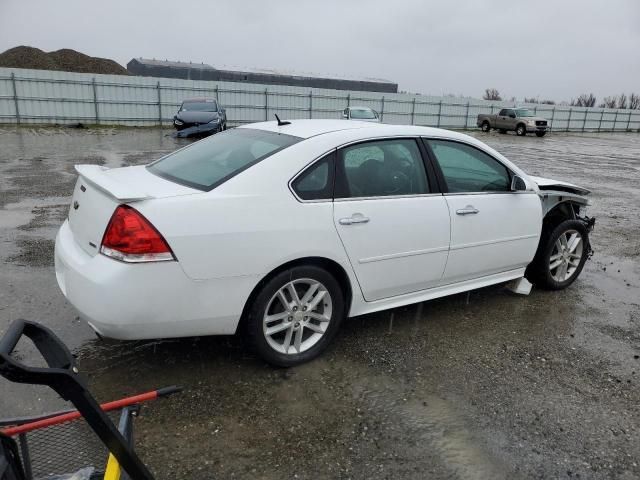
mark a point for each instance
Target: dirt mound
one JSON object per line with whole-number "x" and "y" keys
{"x": 66, "y": 60}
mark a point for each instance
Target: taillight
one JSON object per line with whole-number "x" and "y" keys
{"x": 131, "y": 238}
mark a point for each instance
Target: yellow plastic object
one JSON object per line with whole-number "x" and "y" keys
{"x": 112, "y": 471}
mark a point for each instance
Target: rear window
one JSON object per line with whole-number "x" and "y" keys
{"x": 212, "y": 161}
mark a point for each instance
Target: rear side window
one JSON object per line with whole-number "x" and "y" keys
{"x": 316, "y": 183}
{"x": 381, "y": 168}
{"x": 212, "y": 161}
{"x": 467, "y": 169}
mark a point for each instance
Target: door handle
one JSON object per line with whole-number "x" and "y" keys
{"x": 468, "y": 210}
{"x": 353, "y": 220}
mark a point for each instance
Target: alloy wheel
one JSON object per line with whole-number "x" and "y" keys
{"x": 566, "y": 256}
{"x": 297, "y": 316}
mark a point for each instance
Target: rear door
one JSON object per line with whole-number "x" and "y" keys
{"x": 392, "y": 221}
{"x": 493, "y": 229}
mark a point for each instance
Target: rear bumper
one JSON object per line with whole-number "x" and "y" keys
{"x": 144, "y": 301}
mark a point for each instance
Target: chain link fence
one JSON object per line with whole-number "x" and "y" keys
{"x": 51, "y": 97}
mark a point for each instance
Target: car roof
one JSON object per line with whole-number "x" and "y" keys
{"x": 308, "y": 128}
{"x": 312, "y": 128}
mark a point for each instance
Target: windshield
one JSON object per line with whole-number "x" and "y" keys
{"x": 363, "y": 113}
{"x": 523, "y": 112}
{"x": 199, "y": 107}
{"x": 214, "y": 160}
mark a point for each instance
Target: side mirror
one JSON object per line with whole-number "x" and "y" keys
{"x": 518, "y": 184}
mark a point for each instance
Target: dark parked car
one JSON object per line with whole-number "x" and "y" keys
{"x": 200, "y": 117}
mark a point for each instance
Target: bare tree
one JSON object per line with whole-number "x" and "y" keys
{"x": 492, "y": 94}
{"x": 622, "y": 101}
{"x": 537, "y": 100}
{"x": 584, "y": 100}
{"x": 609, "y": 102}
{"x": 634, "y": 101}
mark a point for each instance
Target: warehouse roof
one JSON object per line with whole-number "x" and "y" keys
{"x": 226, "y": 68}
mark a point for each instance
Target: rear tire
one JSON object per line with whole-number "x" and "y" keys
{"x": 561, "y": 256}
{"x": 521, "y": 130}
{"x": 485, "y": 127}
{"x": 301, "y": 328}
{"x": 540, "y": 134}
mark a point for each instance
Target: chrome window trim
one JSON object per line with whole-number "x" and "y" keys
{"x": 381, "y": 197}
{"x": 346, "y": 144}
{"x": 390, "y": 137}
{"x": 386, "y": 137}
{"x": 303, "y": 170}
{"x": 522, "y": 192}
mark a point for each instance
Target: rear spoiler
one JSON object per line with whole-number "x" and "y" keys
{"x": 97, "y": 176}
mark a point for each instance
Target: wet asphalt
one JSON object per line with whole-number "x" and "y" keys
{"x": 485, "y": 385}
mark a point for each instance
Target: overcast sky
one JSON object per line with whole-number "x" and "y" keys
{"x": 547, "y": 48}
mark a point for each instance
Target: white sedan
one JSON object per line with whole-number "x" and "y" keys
{"x": 284, "y": 229}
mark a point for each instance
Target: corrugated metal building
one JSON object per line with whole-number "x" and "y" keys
{"x": 202, "y": 71}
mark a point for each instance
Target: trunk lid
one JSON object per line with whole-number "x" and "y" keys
{"x": 99, "y": 191}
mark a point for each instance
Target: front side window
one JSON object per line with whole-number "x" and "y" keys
{"x": 467, "y": 169}
{"x": 210, "y": 162}
{"x": 316, "y": 183}
{"x": 381, "y": 168}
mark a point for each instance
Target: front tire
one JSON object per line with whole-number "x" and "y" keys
{"x": 521, "y": 130}
{"x": 561, "y": 256}
{"x": 295, "y": 315}
{"x": 485, "y": 127}
{"x": 540, "y": 134}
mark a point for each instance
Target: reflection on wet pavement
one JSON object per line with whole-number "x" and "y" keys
{"x": 482, "y": 386}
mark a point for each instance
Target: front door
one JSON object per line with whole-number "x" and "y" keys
{"x": 394, "y": 227}
{"x": 493, "y": 229}
{"x": 502, "y": 119}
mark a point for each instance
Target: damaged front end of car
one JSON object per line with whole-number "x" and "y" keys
{"x": 564, "y": 201}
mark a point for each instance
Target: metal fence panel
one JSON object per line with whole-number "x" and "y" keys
{"x": 41, "y": 96}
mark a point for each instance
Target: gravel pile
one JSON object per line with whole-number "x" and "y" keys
{"x": 66, "y": 60}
